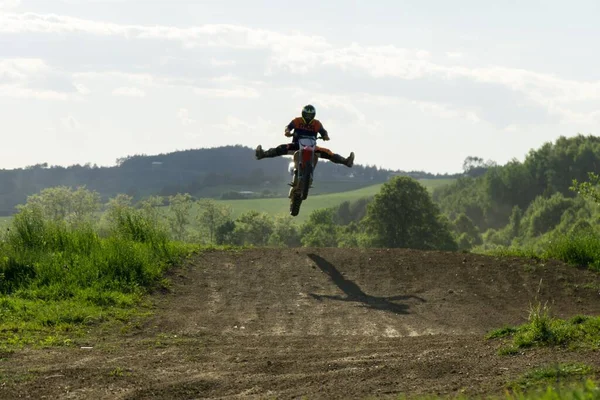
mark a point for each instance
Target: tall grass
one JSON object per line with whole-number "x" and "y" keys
{"x": 587, "y": 390}
{"x": 542, "y": 329}
{"x": 580, "y": 249}
{"x": 56, "y": 274}
{"x": 577, "y": 249}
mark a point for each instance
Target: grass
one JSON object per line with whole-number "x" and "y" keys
{"x": 587, "y": 390}
{"x": 57, "y": 279}
{"x": 281, "y": 189}
{"x": 556, "y": 374}
{"x": 540, "y": 387}
{"x": 544, "y": 330}
{"x": 578, "y": 249}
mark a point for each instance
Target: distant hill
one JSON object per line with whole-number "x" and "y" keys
{"x": 210, "y": 172}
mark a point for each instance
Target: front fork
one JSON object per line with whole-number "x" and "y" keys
{"x": 304, "y": 155}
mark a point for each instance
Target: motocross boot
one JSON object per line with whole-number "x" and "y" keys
{"x": 348, "y": 162}
{"x": 260, "y": 153}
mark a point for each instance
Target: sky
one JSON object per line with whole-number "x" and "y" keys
{"x": 406, "y": 85}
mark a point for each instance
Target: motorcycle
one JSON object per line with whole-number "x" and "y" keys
{"x": 305, "y": 161}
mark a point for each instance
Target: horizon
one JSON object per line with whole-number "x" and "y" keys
{"x": 410, "y": 87}
{"x": 115, "y": 164}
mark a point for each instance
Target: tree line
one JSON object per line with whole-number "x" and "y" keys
{"x": 195, "y": 171}
{"x": 529, "y": 202}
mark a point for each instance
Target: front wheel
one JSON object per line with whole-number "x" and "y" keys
{"x": 306, "y": 175}
{"x": 295, "y": 202}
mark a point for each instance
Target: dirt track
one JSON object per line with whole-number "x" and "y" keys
{"x": 327, "y": 323}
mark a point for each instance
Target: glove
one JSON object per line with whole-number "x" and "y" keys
{"x": 288, "y": 134}
{"x": 325, "y": 138}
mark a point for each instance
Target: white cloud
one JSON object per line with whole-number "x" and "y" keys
{"x": 343, "y": 103}
{"x": 26, "y": 78}
{"x": 559, "y": 97}
{"x": 206, "y": 35}
{"x": 241, "y": 92}
{"x": 20, "y": 69}
{"x": 137, "y": 79}
{"x": 9, "y": 4}
{"x": 446, "y": 111}
{"x": 129, "y": 92}
{"x": 184, "y": 117}
{"x": 454, "y": 54}
{"x": 70, "y": 123}
{"x": 81, "y": 88}
{"x": 375, "y": 61}
{"x": 237, "y": 127}
{"x": 20, "y": 92}
{"x": 222, "y": 63}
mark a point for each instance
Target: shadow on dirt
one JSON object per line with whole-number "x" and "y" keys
{"x": 354, "y": 292}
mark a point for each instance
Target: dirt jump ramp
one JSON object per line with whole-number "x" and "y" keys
{"x": 324, "y": 323}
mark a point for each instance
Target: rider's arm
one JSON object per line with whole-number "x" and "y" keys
{"x": 324, "y": 133}
{"x": 288, "y": 129}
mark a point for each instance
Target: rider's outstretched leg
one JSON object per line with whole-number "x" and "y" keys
{"x": 348, "y": 162}
{"x": 273, "y": 152}
{"x": 336, "y": 158}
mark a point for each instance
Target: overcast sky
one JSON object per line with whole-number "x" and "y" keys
{"x": 410, "y": 85}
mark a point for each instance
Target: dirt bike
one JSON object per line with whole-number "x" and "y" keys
{"x": 305, "y": 162}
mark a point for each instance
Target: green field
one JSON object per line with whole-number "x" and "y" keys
{"x": 279, "y": 189}
{"x": 280, "y": 206}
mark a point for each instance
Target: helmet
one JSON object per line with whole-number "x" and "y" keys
{"x": 308, "y": 113}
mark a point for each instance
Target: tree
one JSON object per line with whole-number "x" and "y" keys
{"x": 151, "y": 207}
{"x": 467, "y": 232}
{"x": 253, "y": 228}
{"x": 545, "y": 213}
{"x": 515, "y": 222}
{"x": 320, "y": 229}
{"x": 589, "y": 189}
{"x": 476, "y": 166}
{"x": 224, "y": 234}
{"x": 403, "y": 214}
{"x": 115, "y": 208}
{"x": 212, "y": 216}
{"x": 285, "y": 232}
{"x": 180, "y": 207}
{"x": 63, "y": 203}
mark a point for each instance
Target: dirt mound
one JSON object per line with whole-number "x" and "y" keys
{"x": 327, "y": 323}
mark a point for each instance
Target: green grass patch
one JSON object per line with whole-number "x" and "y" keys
{"x": 502, "y": 332}
{"x": 572, "y": 389}
{"x": 57, "y": 279}
{"x": 581, "y": 249}
{"x": 588, "y": 390}
{"x": 554, "y": 375}
{"x": 545, "y": 330}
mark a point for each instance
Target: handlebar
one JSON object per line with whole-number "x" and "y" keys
{"x": 305, "y": 136}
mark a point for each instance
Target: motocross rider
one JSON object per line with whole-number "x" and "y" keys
{"x": 306, "y": 125}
